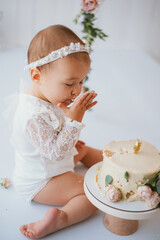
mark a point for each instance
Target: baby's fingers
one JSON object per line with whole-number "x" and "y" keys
{"x": 89, "y": 98}
{"x": 81, "y": 142}
{"x": 91, "y": 105}
{"x": 82, "y": 97}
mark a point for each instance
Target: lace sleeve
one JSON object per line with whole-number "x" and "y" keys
{"x": 53, "y": 144}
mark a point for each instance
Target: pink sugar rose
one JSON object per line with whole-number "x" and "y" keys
{"x": 89, "y": 5}
{"x": 153, "y": 201}
{"x": 113, "y": 194}
{"x": 144, "y": 192}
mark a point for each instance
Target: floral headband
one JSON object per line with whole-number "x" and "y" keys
{"x": 60, "y": 53}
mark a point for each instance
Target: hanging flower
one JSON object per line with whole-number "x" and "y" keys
{"x": 86, "y": 18}
{"x": 6, "y": 182}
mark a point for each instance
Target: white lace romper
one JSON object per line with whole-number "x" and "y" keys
{"x": 44, "y": 141}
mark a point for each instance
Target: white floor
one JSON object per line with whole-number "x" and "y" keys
{"x": 128, "y": 84}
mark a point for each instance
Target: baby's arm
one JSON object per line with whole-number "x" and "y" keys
{"x": 51, "y": 143}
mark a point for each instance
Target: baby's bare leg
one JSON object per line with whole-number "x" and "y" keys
{"x": 92, "y": 157}
{"x": 65, "y": 189}
{"x": 88, "y": 156}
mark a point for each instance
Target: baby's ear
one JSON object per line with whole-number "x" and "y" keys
{"x": 35, "y": 75}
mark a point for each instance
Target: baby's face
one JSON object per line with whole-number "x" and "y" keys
{"x": 63, "y": 83}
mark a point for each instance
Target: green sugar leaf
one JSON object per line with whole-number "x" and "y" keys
{"x": 153, "y": 184}
{"x": 108, "y": 180}
{"x": 158, "y": 186}
{"x": 126, "y": 175}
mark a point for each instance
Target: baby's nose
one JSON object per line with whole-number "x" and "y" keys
{"x": 77, "y": 90}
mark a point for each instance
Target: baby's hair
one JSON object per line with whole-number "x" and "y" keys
{"x": 51, "y": 39}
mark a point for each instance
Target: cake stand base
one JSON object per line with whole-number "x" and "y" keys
{"x": 120, "y": 226}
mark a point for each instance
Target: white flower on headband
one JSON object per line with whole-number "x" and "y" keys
{"x": 60, "y": 53}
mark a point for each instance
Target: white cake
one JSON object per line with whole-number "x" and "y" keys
{"x": 128, "y": 163}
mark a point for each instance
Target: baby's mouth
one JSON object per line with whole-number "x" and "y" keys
{"x": 68, "y": 101}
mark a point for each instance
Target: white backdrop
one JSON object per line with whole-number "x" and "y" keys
{"x": 130, "y": 24}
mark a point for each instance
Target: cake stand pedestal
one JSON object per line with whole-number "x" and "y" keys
{"x": 120, "y": 226}
{"x": 121, "y": 218}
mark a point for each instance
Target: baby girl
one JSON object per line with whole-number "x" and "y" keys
{"x": 47, "y": 127}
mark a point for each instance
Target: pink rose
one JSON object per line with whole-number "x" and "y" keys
{"x": 113, "y": 194}
{"x": 144, "y": 192}
{"x": 89, "y": 5}
{"x": 6, "y": 182}
{"x": 153, "y": 201}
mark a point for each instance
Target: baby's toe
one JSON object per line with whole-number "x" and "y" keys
{"x": 30, "y": 234}
{"x": 23, "y": 228}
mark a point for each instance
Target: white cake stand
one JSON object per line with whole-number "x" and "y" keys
{"x": 121, "y": 217}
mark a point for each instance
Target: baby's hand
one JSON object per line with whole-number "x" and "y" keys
{"x": 80, "y": 144}
{"x": 82, "y": 104}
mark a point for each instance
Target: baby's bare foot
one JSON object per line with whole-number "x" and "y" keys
{"x": 53, "y": 221}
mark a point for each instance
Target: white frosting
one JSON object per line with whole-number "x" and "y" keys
{"x": 139, "y": 165}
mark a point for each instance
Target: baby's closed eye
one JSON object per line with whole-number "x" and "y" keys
{"x": 71, "y": 84}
